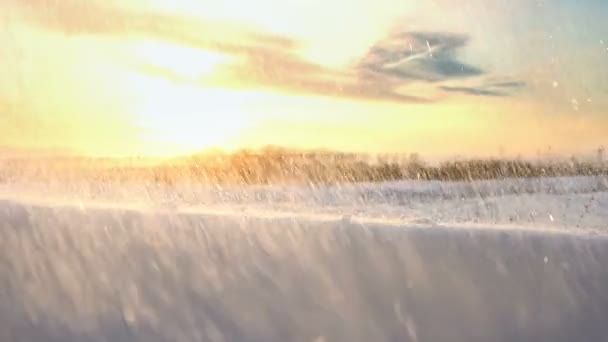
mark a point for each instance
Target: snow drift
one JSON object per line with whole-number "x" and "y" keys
{"x": 85, "y": 272}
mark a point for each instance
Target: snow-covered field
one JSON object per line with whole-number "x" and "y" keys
{"x": 556, "y": 203}
{"x": 511, "y": 260}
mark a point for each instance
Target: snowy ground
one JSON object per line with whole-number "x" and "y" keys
{"x": 515, "y": 260}
{"x": 546, "y": 203}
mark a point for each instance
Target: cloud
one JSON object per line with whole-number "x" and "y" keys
{"x": 497, "y": 89}
{"x": 288, "y": 72}
{"x": 80, "y": 17}
{"x": 473, "y": 91}
{"x": 509, "y": 84}
{"x": 266, "y": 60}
{"x": 418, "y": 56}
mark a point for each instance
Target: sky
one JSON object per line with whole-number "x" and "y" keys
{"x": 439, "y": 77}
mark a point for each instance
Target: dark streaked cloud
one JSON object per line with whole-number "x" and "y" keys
{"x": 473, "y": 91}
{"x": 418, "y": 56}
{"x": 509, "y": 84}
{"x": 488, "y": 88}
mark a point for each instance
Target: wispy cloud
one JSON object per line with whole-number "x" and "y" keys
{"x": 80, "y": 17}
{"x": 473, "y": 91}
{"x": 266, "y": 60}
{"x": 508, "y": 84}
{"x": 498, "y": 89}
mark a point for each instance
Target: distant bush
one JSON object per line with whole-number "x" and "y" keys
{"x": 277, "y": 165}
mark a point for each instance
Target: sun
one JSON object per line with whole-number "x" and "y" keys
{"x": 183, "y": 118}
{"x": 177, "y": 116}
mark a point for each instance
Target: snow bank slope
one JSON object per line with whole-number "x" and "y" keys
{"x": 70, "y": 274}
{"x": 562, "y": 203}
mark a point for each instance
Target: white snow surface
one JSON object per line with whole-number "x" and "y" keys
{"x": 571, "y": 203}
{"x": 509, "y": 260}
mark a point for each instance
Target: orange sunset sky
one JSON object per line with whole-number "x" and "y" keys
{"x": 155, "y": 77}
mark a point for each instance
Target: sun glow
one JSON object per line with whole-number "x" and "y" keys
{"x": 183, "y": 62}
{"x": 174, "y": 112}
{"x": 177, "y": 118}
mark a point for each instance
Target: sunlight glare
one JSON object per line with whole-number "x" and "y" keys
{"x": 185, "y": 62}
{"x": 180, "y": 118}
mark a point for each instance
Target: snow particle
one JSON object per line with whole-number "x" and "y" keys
{"x": 129, "y": 315}
{"x": 574, "y": 104}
